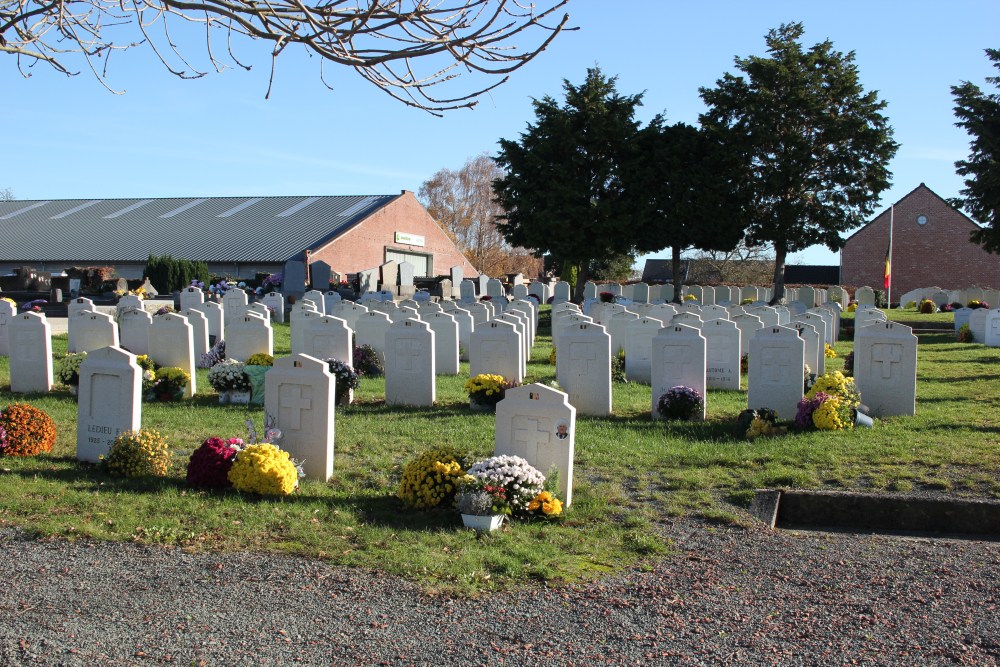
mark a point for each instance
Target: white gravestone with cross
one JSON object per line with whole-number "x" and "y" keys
{"x": 992, "y": 337}
{"x": 318, "y": 300}
{"x": 617, "y": 326}
{"x": 639, "y": 334}
{"x": 330, "y": 297}
{"x": 249, "y": 335}
{"x": 813, "y": 357}
{"x": 520, "y": 322}
{"x": 445, "y": 329}
{"x": 679, "y": 359}
{"x": 73, "y": 307}
{"x": 30, "y": 353}
{"x": 191, "y": 297}
{"x": 538, "y": 423}
{"x": 216, "y": 321}
{"x": 234, "y": 302}
{"x": 297, "y": 325}
{"x": 819, "y": 323}
{"x": 298, "y": 393}
{"x": 199, "y": 332}
{"x": 94, "y": 331}
{"x": 885, "y": 369}
{"x": 775, "y": 374}
{"x": 583, "y": 368}
{"x": 866, "y": 316}
{"x": 466, "y": 325}
{"x": 328, "y": 337}
{"x": 171, "y": 343}
{"x": 275, "y": 301}
{"x": 133, "y": 331}
{"x": 349, "y": 312}
{"x": 370, "y": 330}
{"x": 496, "y": 348}
{"x": 748, "y": 325}
{"x": 977, "y": 324}
{"x": 713, "y": 312}
{"x": 722, "y": 347}
{"x": 865, "y": 296}
{"x": 109, "y": 401}
{"x": 409, "y": 364}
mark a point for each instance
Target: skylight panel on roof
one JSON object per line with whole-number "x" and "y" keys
{"x": 128, "y": 209}
{"x": 76, "y": 209}
{"x": 351, "y": 210}
{"x": 239, "y": 207}
{"x": 298, "y": 207}
{"x": 24, "y": 210}
{"x": 181, "y": 209}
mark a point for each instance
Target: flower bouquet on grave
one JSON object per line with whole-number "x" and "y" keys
{"x": 521, "y": 481}
{"x": 431, "y": 479}
{"x": 606, "y": 297}
{"x": 68, "y": 370}
{"x": 347, "y": 380}
{"x": 751, "y": 424}
{"x": 208, "y": 467}
{"x": 168, "y": 384}
{"x": 680, "y": 403}
{"x": 138, "y": 453}
{"x": 213, "y": 356}
{"x": 832, "y": 404}
{"x": 829, "y": 352}
{"x": 262, "y": 467}
{"x": 486, "y": 390}
{"x": 367, "y": 361}
{"x": 482, "y": 504}
{"x": 229, "y": 378}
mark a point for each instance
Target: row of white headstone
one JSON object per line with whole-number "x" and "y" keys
{"x": 941, "y": 297}
{"x": 723, "y": 295}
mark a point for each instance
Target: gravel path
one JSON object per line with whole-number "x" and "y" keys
{"x": 727, "y": 596}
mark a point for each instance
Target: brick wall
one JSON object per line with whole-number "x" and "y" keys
{"x": 935, "y": 254}
{"x": 364, "y": 246}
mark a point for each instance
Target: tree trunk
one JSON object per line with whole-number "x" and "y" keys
{"x": 582, "y": 276}
{"x": 780, "y": 251}
{"x": 675, "y": 264}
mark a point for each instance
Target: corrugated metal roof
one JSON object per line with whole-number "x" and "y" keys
{"x": 213, "y": 229}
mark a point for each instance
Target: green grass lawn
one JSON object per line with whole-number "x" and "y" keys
{"x": 630, "y": 472}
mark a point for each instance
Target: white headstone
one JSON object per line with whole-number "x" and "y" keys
{"x": 639, "y": 334}
{"x": 301, "y": 313}
{"x": 479, "y": 311}
{"x": 30, "y": 353}
{"x": 541, "y": 290}
{"x": 885, "y": 369}
{"x": 349, "y": 312}
{"x": 445, "y": 328}
{"x": 992, "y": 337}
{"x": 818, "y": 323}
{"x": 299, "y": 394}
{"x": 171, "y": 343}
{"x": 94, "y": 331}
{"x": 73, "y": 307}
{"x": 689, "y": 319}
{"x": 829, "y": 317}
{"x": 589, "y": 290}
{"x": 962, "y": 317}
{"x": 191, "y": 297}
{"x": 216, "y": 321}
{"x": 564, "y": 323}
{"x": 813, "y": 356}
{"x": 767, "y": 314}
{"x": 519, "y": 291}
{"x": 496, "y": 347}
{"x": 325, "y": 337}
{"x": 538, "y": 424}
{"x": 128, "y": 302}
{"x": 775, "y": 375}
{"x": 370, "y": 330}
{"x": 561, "y": 292}
{"x": 7, "y": 311}
{"x": 617, "y": 326}
{"x": 409, "y": 364}
{"x": 467, "y": 289}
{"x": 109, "y": 401}
{"x": 583, "y": 367}
{"x": 234, "y": 303}
{"x": 318, "y": 299}
{"x": 134, "y": 331}
{"x": 748, "y": 325}
{"x": 275, "y": 301}
{"x": 199, "y": 332}
{"x": 679, "y": 359}
{"x": 977, "y": 325}
{"x": 866, "y": 316}
{"x": 521, "y": 323}
{"x": 722, "y": 343}
{"x": 665, "y": 312}
{"x": 865, "y": 296}
{"x": 713, "y": 312}
{"x": 494, "y": 288}
{"x": 466, "y": 326}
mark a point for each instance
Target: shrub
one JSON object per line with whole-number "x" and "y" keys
{"x": 260, "y": 359}
{"x": 751, "y": 424}
{"x": 432, "y": 479}
{"x": 168, "y": 274}
{"x": 68, "y": 369}
{"x": 618, "y": 368}
{"x": 911, "y": 304}
{"x": 209, "y": 465}
{"x": 29, "y": 431}
{"x": 171, "y": 381}
{"x": 521, "y": 481}
{"x": 746, "y": 302}
{"x": 138, "y": 454}
{"x": 367, "y": 361}
{"x": 680, "y": 403}
{"x": 229, "y": 375}
{"x": 964, "y": 334}
{"x": 927, "y": 307}
{"x": 264, "y": 469}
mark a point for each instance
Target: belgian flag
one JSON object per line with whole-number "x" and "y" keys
{"x": 888, "y": 266}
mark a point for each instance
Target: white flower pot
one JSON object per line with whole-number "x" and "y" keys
{"x": 239, "y": 397}
{"x": 223, "y": 397}
{"x": 482, "y": 523}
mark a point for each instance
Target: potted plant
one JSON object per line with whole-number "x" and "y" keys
{"x": 683, "y": 403}
{"x": 170, "y": 384}
{"x": 367, "y": 361}
{"x": 486, "y": 390}
{"x": 482, "y": 503}
{"x": 347, "y": 381}
{"x": 256, "y": 367}
{"x": 231, "y": 381}
{"x": 68, "y": 370}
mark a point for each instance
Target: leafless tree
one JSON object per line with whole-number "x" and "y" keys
{"x": 462, "y": 202}
{"x": 6, "y": 194}
{"x": 410, "y": 49}
{"x": 742, "y": 265}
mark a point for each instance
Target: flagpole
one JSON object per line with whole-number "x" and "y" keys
{"x": 888, "y": 292}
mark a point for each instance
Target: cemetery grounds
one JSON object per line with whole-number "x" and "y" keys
{"x": 631, "y": 472}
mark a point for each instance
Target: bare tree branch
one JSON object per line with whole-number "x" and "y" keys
{"x": 404, "y": 47}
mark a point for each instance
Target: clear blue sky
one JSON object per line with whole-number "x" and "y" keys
{"x": 218, "y": 136}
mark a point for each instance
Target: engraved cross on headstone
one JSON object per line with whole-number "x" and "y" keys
{"x": 294, "y": 398}
{"x": 493, "y": 352}
{"x": 887, "y": 354}
{"x": 529, "y": 433}
{"x": 582, "y": 355}
{"x": 676, "y": 355}
{"x": 775, "y": 364}
{"x": 407, "y": 350}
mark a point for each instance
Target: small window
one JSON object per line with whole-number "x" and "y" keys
{"x": 921, "y": 219}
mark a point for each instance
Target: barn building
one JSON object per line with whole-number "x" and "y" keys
{"x": 930, "y": 248}
{"x": 238, "y": 236}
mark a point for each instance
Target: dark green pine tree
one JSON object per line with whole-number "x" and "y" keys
{"x": 979, "y": 114}
{"x": 684, "y": 180}
{"x": 563, "y": 192}
{"x": 814, "y": 145}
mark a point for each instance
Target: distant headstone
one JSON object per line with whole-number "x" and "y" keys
{"x": 479, "y": 310}
{"x": 293, "y": 282}
{"x": 368, "y": 280}
{"x": 520, "y": 322}
{"x": 538, "y": 424}
{"x": 541, "y": 290}
{"x": 349, "y": 312}
{"x": 128, "y": 302}
{"x": 318, "y": 299}
{"x": 326, "y": 337}
{"x": 494, "y": 288}
{"x": 617, "y": 326}
{"x": 171, "y": 343}
{"x": 457, "y": 274}
{"x": 496, "y": 347}
{"x": 199, "y": 332}
{"x": 216, "y": 321}
{"x": 813, "y": 355}
{"x": 234, "y": 305}
{"x": 688, "y": 318}
{"x": 977, "y": 325}
{"x": 248, "y": 336}
{"x": 941, "y": 297}
{"x": 679, "y": 359}
{"x": 664, "y": 312}
{"x": 589, "y": 290}
{"x": 109, "y": 401}
{"x": 767, "y": 314}
{"x": 191, "y": 297}
{"x": 370, "y": 330}
{"x": 519, "y": 291}
{"x": 466, "y": 325}
{"x": 885, "y": 369}
{"x": 561, "y": 292}
{"x": 7, "y": 311}
{"x": 775, "y": 375}
{"x": 865, "y": 296}
{"x": 319, "y": 272}
{"x": 73, "y": 307}
{"x": 389, "y": 276}
{"x": 301, "y": 312}
{"x": 406, "y": 274}
{"x": 866, "y": 316}
{"x": 639, "y": 334}
{"x": 409, "y": 364}
{"x": 962, "y": 317}
{"x": 640, "y": 293}
{"x": 748, "y": 325}
{"x": 467, "y": 290}
{"x": 722, "y": 345}
{"x": 667, "y": 293}
{"x": 445, "y": 329}
{"x": 299, "y": 394}
{"x": 94, "y": 331}
{"x": 992, "y": 337}
{"x": 481, "y": 283}
{"x": 714, "y": 312}
{"x": 30, "y": 353}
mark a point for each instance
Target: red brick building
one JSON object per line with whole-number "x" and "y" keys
{"x": 930, "y": 248}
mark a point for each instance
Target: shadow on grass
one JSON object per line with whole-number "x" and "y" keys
{"x": 965, "y": 378}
